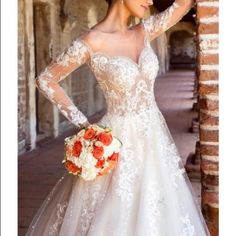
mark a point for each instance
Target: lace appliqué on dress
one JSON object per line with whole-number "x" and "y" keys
{"x": 127, "y": 86}
{"x": 153, "y": 209}
{"x": 159, "y": 21}
{"x": 123, "y": 183}
{"x": 61, "y": 208}
{"x": 169, "y": 154}
{"x": 91, "y": 202}
{"x": 189, "y": 229}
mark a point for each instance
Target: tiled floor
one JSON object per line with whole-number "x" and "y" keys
{"x": 40, "y": 169}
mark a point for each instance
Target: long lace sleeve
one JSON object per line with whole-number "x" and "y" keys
{"x": 48, "y": 81}
{"x": 160, "y": 22}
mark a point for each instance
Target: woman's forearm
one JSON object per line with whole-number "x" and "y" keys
{"x": 48, "y": 82}
{"x": 185, "y": 3}
{"x": 160, "y": 22}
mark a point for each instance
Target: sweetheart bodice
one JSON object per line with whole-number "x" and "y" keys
{"x": 127, "y": 85}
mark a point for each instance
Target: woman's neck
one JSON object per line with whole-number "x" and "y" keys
{"x": 116, "y": 19}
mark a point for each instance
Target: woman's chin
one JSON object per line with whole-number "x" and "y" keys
{"x": 139, "y": 15}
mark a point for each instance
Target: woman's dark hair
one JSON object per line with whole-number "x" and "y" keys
{"x": 109, "y": 2}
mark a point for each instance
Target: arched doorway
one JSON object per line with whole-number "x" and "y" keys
{"x": 182, "y": 50}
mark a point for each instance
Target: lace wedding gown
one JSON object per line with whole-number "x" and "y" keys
{"x": 148, "y": 193}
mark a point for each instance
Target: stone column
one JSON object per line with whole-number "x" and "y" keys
{"x": 22, "y": 83}
{"x": 30, "y": 75}
{"x": 207, "y": 72}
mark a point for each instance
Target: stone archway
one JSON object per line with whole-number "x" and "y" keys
{"x": 182, "y": 45}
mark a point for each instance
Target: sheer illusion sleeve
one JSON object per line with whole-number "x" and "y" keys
{"x": 160, "y": 22}
{"x": 48, "y": 81}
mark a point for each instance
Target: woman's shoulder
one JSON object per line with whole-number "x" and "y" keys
{"x": 139, "y": 28}
{"x": 92, "y": 39}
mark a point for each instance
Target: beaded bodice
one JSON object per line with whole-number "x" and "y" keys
{"x": 127, "y": 85}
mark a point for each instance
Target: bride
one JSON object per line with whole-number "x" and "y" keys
{"x": 148, "y": 193}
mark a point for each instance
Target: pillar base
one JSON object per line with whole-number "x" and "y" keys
{"x": 195, "y": 107}
{"x": 193, "y": 168}
{"x": 195, "y": 125}
{"x": 192, "y": 165}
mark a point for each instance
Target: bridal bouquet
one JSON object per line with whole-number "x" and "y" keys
{"x": 92, "y": 152}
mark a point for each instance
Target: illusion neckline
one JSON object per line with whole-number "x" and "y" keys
{"x": 137, "y": 64}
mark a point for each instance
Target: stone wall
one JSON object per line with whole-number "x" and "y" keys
{"x": 207, "y": 73}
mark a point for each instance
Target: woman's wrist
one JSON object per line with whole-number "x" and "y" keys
{"x": 84, "y": 125}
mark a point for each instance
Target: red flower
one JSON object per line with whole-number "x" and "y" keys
{"x": 105, "y": 138}
{"x": 100, "y": 163}
{"x": 114, "y": 157}
{"x": 71, "y": 167}
{"x": 77, "y": 148}
{"x": 89, "y": 133}
{"x": 97, "y": 152}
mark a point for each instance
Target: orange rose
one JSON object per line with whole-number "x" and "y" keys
{"x": 70, "y": 166}
{"x": 77, "y": 148}
{"x": 107, "y": 170}
{"x": 97, "y": 152}
{"x": 114, "y": 157}
{"x": 89, "y": 133}
{"x": 100, "y": 163}
{"x": 105, "y": 138}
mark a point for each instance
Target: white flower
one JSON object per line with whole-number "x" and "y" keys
{"x": 116, "y": 144}
{"x": 98, "y": 144}
{"x": 89, "y": 173}
{"x": 113, "y": 147}
{"x": 86, "y": 160}
{"x": 108, "y": 151}
{"x": 81, "y": 133}
{"x": 85, "y": 143}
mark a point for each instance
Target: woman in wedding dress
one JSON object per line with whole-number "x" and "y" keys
{"x": 148, "y": 193}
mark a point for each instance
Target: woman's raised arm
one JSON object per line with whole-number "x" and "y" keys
{"x": 160, "y": 22}
{"x": 48, "y": 81}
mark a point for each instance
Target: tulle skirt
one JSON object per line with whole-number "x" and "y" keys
{"x": 147, "y": 194}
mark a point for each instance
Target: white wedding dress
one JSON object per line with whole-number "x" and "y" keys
{"x": 148, "y": 193}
